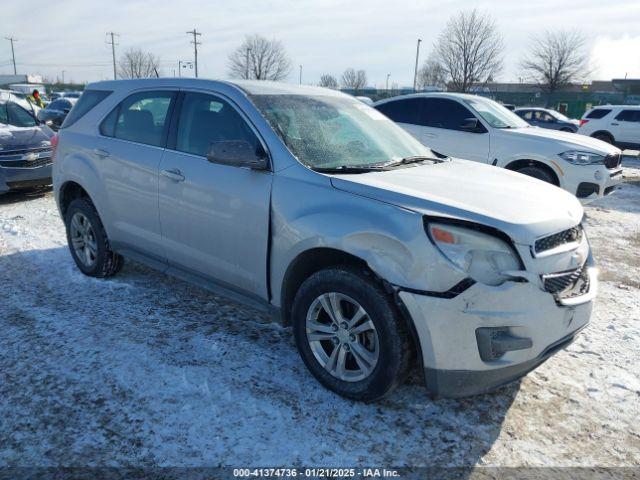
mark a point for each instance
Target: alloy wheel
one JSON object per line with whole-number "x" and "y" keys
{"x": 342, "y": 337}
{"x": 83, "y": 239}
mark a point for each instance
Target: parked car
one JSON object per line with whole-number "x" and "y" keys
{"x": 307, "y": 203}
{"x": 56, "y": 111}
{"x": 615, "y": 124}
{"x": 479, "y": 129}
{"x": 547, "y": 118}
{"x": 25, "y": 148}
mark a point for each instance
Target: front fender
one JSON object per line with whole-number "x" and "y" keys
{"x": 390, "y": 239}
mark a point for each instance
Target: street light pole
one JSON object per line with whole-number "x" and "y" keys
{"x": 388, "y": 75}
{"x": 415, "y": 74}
{"x": 300, "y": 79}
{"x": 13, "y": 53}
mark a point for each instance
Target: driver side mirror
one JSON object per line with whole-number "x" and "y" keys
{"x": 471, "y": 125}
{"x": 237, "y": 153}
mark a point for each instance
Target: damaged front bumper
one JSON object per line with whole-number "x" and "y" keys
{"x": 487, "y": 336}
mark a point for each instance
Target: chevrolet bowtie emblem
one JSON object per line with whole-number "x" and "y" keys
{"x": 30, "y": 157}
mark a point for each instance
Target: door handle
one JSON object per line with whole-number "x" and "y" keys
{"x": 613, "y": 123}
{"x": 173, "y": 174}
{"x": 100, "y": 152}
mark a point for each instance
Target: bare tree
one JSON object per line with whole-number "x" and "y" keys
{"x": 329, "y": 81}
{"x": 136, "y": 63}
{"x": 432, "y": 74}
{"x": 470, "y": 49}
{"x": 259, "y": 58}
{"x": 557, "y": 59}
{"x": 354, "y": 80}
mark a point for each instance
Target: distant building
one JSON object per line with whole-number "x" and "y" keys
{"x": 7, "y": 79}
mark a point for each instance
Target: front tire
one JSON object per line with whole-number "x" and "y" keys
{"x": 349, "y": 334}
{"x": 88, "y": 241}
{"x": 605, "y": 137}
{"x": 539, "y": 173}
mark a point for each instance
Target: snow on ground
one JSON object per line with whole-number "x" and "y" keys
{"x": 143, "y": 370}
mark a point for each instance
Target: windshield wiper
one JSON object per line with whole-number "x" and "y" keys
{"x": 410, "y": 160}
{"x": 351, "y": 168}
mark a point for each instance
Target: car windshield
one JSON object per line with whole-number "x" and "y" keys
{"x": 558, "y": 115}
{"x": 327, "y": 131}
{"x": 495, "y": 114}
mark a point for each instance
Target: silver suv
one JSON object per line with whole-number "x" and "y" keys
{"x": 307, "y": 203}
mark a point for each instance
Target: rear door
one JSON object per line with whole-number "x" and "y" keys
{"x": 214, "y": 218}
{"x": 627, "y": 126}
{"x": 128, "y": 152}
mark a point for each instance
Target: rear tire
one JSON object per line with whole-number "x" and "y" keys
{"x": 88, "y": 241}
{"x": 539, "y": 173}
{"x": 363, "y": 351}
{"x": 604, "y": 136}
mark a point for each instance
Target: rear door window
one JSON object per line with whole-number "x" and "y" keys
{"x": 598, "y": 113}
{"x": 142, "y": 117}
{"x": 402, "y": 111}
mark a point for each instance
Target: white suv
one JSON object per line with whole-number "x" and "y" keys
{"x": 617, "y": 124}
{"x": 476, "y": 128}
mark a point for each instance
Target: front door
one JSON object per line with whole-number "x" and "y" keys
{"x": 214, "y": 218}
{"x": 440, "y": 128}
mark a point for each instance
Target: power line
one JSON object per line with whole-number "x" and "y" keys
{"x": 13, "y": 53}
{"x": 113, "y": 51}
{"x": 195, "y": 42}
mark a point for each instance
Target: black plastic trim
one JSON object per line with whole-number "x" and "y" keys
{"x": 453, "y": 292}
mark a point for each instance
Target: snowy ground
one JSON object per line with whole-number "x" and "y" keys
{"x": 147, "y": 370}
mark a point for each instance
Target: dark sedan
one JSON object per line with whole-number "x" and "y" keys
{"x": 547, "y": 118}
{"x": 25, "y": 149}
{"x": 55, "y": 113}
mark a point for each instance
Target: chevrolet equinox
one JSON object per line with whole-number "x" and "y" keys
{"x": 309, "y": 204}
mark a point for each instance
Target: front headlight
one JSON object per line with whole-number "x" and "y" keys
{"x": 582, "y": 158}
{"x": 482, "y": 256}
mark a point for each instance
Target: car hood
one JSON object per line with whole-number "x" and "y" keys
{"x": 20, "y": 138}
{"x": 565, "y": 140}
{"x": 522, "y": 207}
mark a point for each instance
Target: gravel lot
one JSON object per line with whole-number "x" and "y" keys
{"x": 146, "y": 370}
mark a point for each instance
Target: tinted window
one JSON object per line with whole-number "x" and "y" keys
{"x": 526, "y": 114}
{"x": 18, "y": 116}
{"x": 598, "y": 113}
{"x": 205, "y": 119}
{"x": 141, "y": 117}
{"x": 402, "y": 111}
{"x": 3, "y": 113}
{"x": 88, "y": 100}
{"x": 629, "y": 116}
{"x": 443, "y": 113}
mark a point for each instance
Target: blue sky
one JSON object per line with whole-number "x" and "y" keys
{"x": 325, "y": 36}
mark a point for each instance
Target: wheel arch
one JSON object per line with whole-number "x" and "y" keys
{"x": 604, "y": 132}
{"x": 525, "y": 162}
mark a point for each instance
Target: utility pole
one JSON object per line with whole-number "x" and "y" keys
{"x": 113, "y": 52}
{"x": 415, "y": 74}
{"x": 388, "y": 75}
{"x": 63, "y": 76}
{"x": 247, "y": 74}
{"x": 195, "y": 42}
{"x": 300, "y": 80}
{"x": 13, "y": 53}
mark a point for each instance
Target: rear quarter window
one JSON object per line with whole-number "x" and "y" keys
{"x": 599, "y": 113}
{"x": 88, "y": 100}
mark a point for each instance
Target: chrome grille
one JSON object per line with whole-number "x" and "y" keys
{"x": 38, "y": 162}
{"x": 572, "y": 235}
{"x": 559, "y": 282}
{"x": 20, "y": 152}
